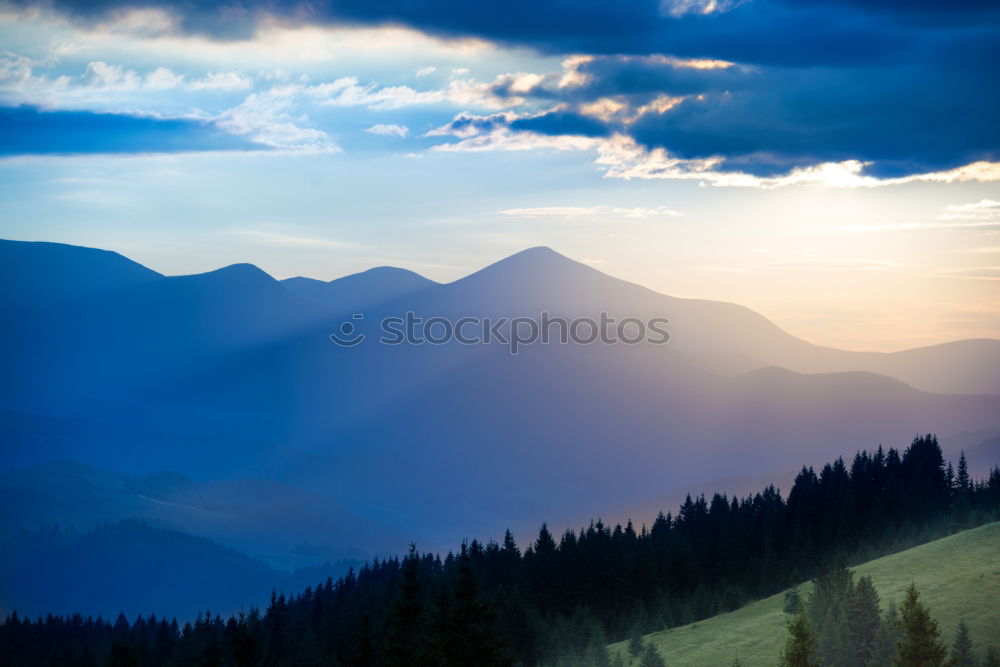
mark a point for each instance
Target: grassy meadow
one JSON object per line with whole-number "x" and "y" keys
{"x": 958, "y": 578}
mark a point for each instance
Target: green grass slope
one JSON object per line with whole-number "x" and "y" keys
{"x": 958, "y": 578}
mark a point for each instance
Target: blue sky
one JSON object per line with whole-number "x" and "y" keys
{"x": 832, "y": 164}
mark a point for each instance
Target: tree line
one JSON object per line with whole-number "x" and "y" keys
{"x": 563, "y": 598}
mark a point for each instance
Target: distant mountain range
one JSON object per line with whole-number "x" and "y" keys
{"x": 231, "y": 375}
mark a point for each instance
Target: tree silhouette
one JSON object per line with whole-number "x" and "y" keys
{"x": 921, "y": 643}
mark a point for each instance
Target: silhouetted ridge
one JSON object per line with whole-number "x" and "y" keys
{"x": 359, "y": 291}
{"x": 34, "y": 273}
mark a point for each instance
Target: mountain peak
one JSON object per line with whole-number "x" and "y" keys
{"x": 539, "y": 261}
{"x": 239, "y": 273}
{"x": 362, "y": 290}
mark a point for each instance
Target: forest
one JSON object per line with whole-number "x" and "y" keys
{"x": 563, "y": 598}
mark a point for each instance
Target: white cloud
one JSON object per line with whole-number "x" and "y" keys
{"x": 647, "y": 212}
{"x": 388, "y": 130}
{"x": 602, "y": 212}
{"x": 985, "y": 209}
{"x": 266, "y": 118}
{"x": 222, "y": 81}
{"x": 288, "y": 240}
{"x": 162, "y": 78}
{"x": 550, "y": 211}
{"x": 424, "y": 71}
{"x": 972, "y": 273}
{"x": 572, "y": 77}
{"x": 837, "y": 264}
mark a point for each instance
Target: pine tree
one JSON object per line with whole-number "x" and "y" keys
{"x": 992, "y": 657}
{"x": 888, "y": 636}
{"x": 921, "y": 644}
{"x": 793, "y": 602}
{"x": 800, "y": 647}
{"x": 651, "y": 657}
{"x": 828, "y": 614}
{"x": 635, "y": 644}
{"x": 404, "y": 646}
{"x": 963, "y": 481}
{"x": 863, "y": 620}
{"x": 474, "y": 638}
{"x": 962, "y": 654}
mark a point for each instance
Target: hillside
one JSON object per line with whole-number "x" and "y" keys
{"x": 958, "y": 578}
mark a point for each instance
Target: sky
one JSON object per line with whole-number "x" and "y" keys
{"x": 832, "y": 164}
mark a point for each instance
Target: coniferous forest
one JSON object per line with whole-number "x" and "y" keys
{"x": 564, "y": 597}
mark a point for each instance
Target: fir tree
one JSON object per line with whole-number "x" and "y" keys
{"x": 888, "y": 636}
{"x": 635, "y": 644}
{"x": 828, "y": 614}
{"x": 800, "y": 647}
{"x": 962, "y": 480}
{"x": 962, "y": 654}
{"x": 651, "y": 657}
{"x": 921, "y": 644}
{"x": 404, "y": 646}
{"x": 863, "y": 620}
{"x": 793, "y": 602}
{"x": 473, "y": 634}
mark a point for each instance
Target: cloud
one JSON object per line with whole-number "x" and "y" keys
{"x": 647, "y": 212}
{"x": 972, "y": 273}
{"x": 28, "y": 130}
{"x": 804, "y": 33}
{"x": 289, "y": 240}
{"x": 550, "y": 211}
{"x": 763, "y": 91}
{"x": 425, "y": 71}
{"x": 985, "y": 209}
{"x": 222, "y": 81}
{"x": 620, "y": 156}
{"x": 388, "y": 130}
{"x": 602, "y": 211}
{"x": 837, "y": 264}
{"x": 267, "y": 118}
{"x": 981, "y": 216}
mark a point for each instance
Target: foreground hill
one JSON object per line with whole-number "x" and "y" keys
{"x": 958, "y": 578}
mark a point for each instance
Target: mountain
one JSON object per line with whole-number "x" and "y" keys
{"x": 233, "y": 374}
{"x": 964, "y": 590}
{"x": 38, "y": 274}
{"x": 359, "y": 291}
{"x": 276, "y": 523}
{"x": 133, "y": 568}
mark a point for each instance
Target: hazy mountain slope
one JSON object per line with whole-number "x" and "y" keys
{"x": 135, "y": 568}
{"x": 229, "y": 371}
{"x": 563, "y": 434}
{"x": 284, "y": 526}
{"x": 956, "y": 576}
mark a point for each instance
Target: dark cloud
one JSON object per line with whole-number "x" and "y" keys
{"x": 909, "y": 85}
{"x": 761, "y": 31}
{"x": 27, "y": 130}
{"x": 561, "y": 122}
